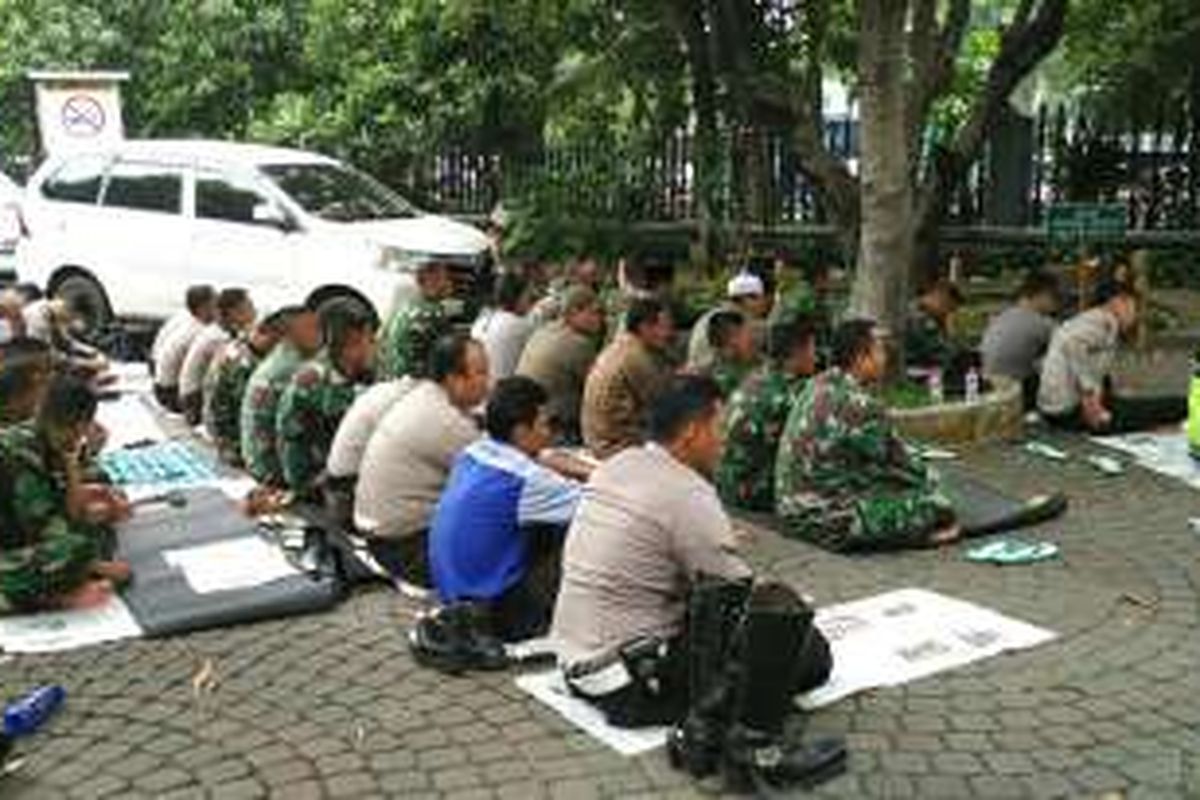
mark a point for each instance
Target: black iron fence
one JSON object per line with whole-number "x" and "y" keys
{"x": 1153, "y": 167}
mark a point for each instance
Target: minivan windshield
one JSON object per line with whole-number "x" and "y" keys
{"x": 337, "y": 193}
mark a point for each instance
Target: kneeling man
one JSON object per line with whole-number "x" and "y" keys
{"x": 844, "y": 478}
{"x": 498, "y": 529}
{"x": 657, "y": 621}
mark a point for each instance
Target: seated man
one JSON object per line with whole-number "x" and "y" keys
{"x": 409, "y": 456}
{"x": 559, "y": 355}
{"x": 504, "y": 327}
{"x": 1017, "y": 338}
{"x": 757, "y": 413}
{"x": 312, "y": 405}
{"x": 927, "y": 336}
{"x": 746, "y": 294}
{"x": 260, "y": 405}
{"x": 53, "y": 321}
{"x": 25, "y": 370}
{"x": 497, "y": 533}
{"x": 350, "y": 442}
{"x": 626, "y": 379}
{"x": 1076, "y": 386}
{"x": 235, "y": 315}
{"x": 844, "y": 479}
{"x": 225, "y": 384}
{"x": 733, "y": 350}
{"x": 53, "y": 547}
{"x": 416, "y": 324}
{"x": 649, "y": 532}
{"x": 173, "y": 341}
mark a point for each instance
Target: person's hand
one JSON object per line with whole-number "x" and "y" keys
{"x": 103, "y": 505}
{"x": 119, "y": 572}
{"x": 90, "y": 594}
{"x": 567, "y": 464}
{"x": 1095, "y": 416}
{"x": 97, "y": 437}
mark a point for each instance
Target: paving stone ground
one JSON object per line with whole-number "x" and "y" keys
{"x": 332, "y": 706}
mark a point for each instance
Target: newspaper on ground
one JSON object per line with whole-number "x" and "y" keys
{"x": 55, "y": 631}
{"x": 235, "y": 564}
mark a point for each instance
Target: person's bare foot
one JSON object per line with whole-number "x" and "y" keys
{"x": 90, "y": 594}
{"x": 118, "y": 572}
{"x": 950, "y": 533}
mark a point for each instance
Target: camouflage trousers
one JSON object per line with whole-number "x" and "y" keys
{"x": 877, "y": 521}
{"x": 31, "y": 577}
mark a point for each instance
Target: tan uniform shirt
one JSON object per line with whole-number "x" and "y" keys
{"x": 646, "y": 525}
{"x": 360, "y": 422}
{"x": 199, "y": 358}
{"x": 1080, "y": 356}
{"x": 623, "y": 384}
{"x": 407, "y": 461}
{"x": 169, "y": 362}
{"x": 559, "y": 358}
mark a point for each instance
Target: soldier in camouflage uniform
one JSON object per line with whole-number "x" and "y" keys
{"x": 927, "y": 335}
{"x": 409, "y": 334}
{"x": 734, "y": 353}
{"x": 225, "y": 385}
{"x": 320, "y": 393}
{"x": 844, "y": 479}
{"x": 53, "y": 527}
{"x": 757, "y": 413}
{"x": 260, "y": 405}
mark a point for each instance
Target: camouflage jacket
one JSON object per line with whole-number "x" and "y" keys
{"x": 224, "y": 387}
{"x": 42, "y": 553}
{"x": 925, "y": 342}
{"x": 408, "y": 337}
{"x": 754, "y": 420}
{"x": 260, "y": 405}
{"x": 728, "y": 374}
{"x": 844, "y": 478}
{"x": 310, "y": 410}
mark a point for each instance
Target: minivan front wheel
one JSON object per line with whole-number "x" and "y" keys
{"x": 86, "y": 298}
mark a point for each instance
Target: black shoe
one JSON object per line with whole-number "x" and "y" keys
{"x": 762, "y": 762}
{"x": 453, "y": 639}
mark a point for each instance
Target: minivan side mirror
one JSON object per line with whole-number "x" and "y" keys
{"x": 273, "y": 216}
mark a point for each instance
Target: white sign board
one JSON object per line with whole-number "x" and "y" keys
{"x": 78, "y": 111}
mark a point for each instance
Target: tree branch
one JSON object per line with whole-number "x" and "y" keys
{"x": 934, "y": 53}
{"x": 1023, "y": 46}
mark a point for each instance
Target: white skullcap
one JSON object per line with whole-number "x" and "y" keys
{"x": 744, "y": 284}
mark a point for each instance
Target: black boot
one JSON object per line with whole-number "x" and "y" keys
{"x": 758, "y": 754}
{"x": 716, "y": 609}
{"x": 455, "y": 639}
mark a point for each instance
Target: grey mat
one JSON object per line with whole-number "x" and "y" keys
{"x": 983, "y": 509}
{"x": 164, "y": 602}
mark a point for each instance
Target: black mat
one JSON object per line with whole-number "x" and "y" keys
{"x": 162, "y": 600}
{"x": 984, "y": 509}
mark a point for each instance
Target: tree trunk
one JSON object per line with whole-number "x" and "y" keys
{"x": 885, "y": 251}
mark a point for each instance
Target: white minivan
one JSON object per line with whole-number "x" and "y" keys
{"x": 122, "y": 232}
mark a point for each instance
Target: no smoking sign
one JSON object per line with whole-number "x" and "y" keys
{"x": 82, "y": 116}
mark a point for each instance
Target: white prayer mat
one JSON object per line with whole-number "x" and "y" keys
{"x": 1164, "y": 453}
{"x": 128, "y": 420}
{"x": 551, "y": 689}
{"x": 900, "y": 636}
{"x": 133, "y": 377}
{"x": 55, "y": 631}
{"x": 884, "y": 640}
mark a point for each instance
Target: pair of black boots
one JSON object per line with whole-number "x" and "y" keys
{"x": 750, "y": 650}
{"x": 456, "y": 639}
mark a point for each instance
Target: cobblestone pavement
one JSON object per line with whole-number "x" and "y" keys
{"x": 332, "y": 706}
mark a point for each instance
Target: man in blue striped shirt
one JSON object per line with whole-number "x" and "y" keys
{"x": 498, "y": 529}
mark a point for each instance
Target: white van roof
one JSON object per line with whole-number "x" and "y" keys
{"x": 215, "y": 152}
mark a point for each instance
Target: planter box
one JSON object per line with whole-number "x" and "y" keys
{"x": 996, "y": 415}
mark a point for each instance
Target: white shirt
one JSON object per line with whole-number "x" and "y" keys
{"x": 360, "y": 421}
{"x": 167, "y": 330}
{"x": 407, "y": 461}
{"x": 169, "y": 362}
{"x": 503, "y": 335}
{"x": 200, "y": 354}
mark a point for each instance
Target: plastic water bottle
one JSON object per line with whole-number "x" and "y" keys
{"x": 972, "y": 389}
{"x": 936, "y": 393}
{"x": 23, "y": 717}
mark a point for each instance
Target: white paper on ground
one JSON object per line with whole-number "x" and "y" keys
{"x": 132, "y": 377}
{"x": 55, "y": 631}
{"x": 551, "y": 689}
{"x": 128, "y": 420}
{"x": 234, "y": 564}
{"x": 900, "y": 636}
{"x": 1164, "y": 453}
